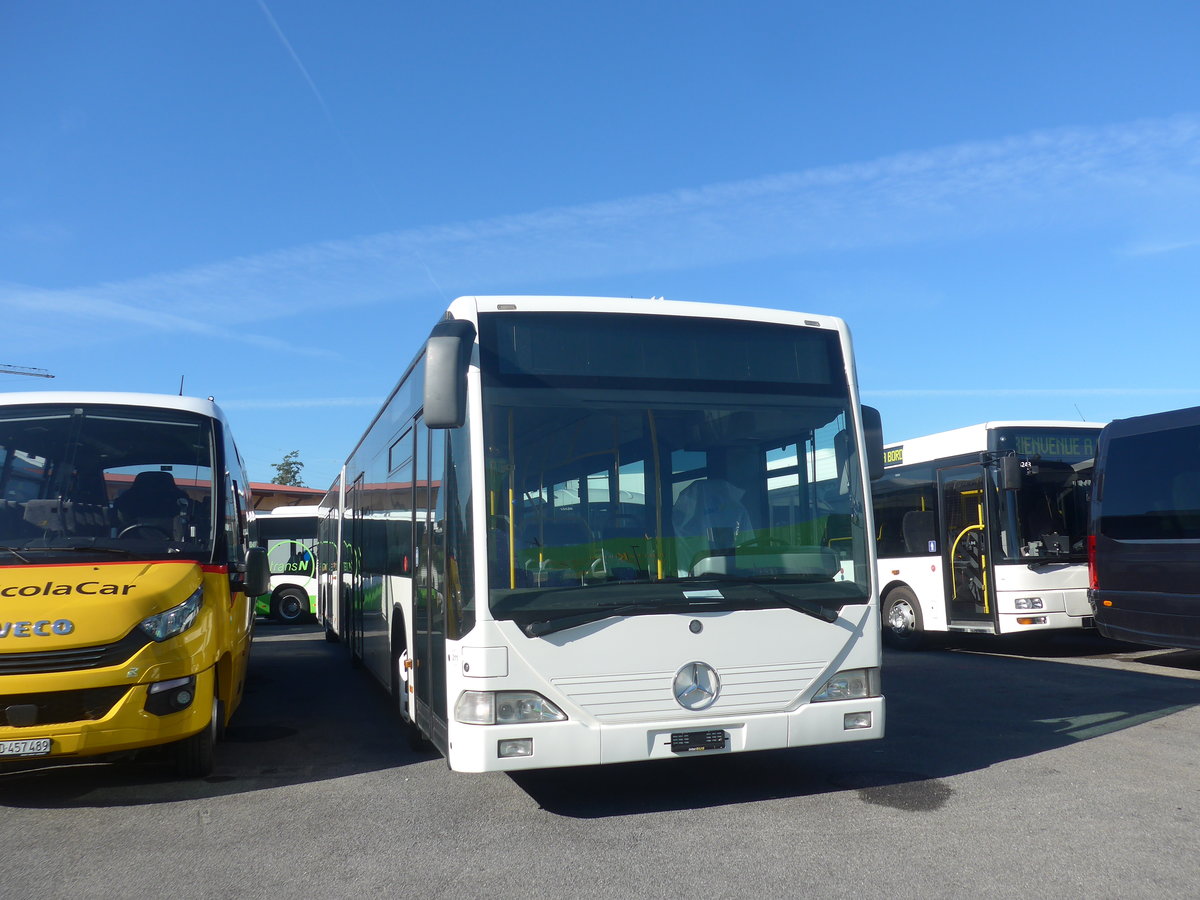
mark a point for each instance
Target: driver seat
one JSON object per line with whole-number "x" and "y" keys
{"x": 153, "y": 499}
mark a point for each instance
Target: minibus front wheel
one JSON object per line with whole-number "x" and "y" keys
{"x": 194, "y": 756}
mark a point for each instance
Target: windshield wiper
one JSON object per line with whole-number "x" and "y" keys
{"x": 808, "y": 607}
{"x": 1051, "y": 561}
{"x": 549, "y": 626}
{"x": 94, "y": 549}
{"x": 121, "y": 551}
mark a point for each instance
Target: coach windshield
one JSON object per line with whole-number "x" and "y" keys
{"x": 99, "y": 482}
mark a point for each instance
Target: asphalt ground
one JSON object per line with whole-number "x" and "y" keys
{"x": 1064, "y": 768}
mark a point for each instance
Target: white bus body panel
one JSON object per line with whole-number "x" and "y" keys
{"x": 1061, "y": 588}
{"x": 923, "y": 576}
{"x": 614, "y": 681}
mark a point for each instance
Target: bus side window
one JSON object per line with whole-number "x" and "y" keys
{"x": 918, "y": 526}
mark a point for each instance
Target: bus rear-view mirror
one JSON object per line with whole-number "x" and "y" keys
{"x": 873, "y": 438}
{"x": 256, "y": 580}
{"x": 1010, "y": 472}
{"x": 447, "y": 354}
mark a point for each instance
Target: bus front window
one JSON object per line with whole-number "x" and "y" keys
{"x": 1051, "y": 510}
{"x": 598, "y": 502}
{"x": 1045, "y": 516}
{"x": 96, "y": 480}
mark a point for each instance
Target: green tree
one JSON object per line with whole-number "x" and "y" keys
{"x": 288, "y": 471}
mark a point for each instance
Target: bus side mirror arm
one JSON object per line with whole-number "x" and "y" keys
{"x": 447, "y": 355}
{"x": 873, "y": 438}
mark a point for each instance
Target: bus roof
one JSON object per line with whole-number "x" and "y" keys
{"x": 1159, "y": 421}
{"x": 973, "y": 438}
{"x": 650, "y": 306}
{"x": 204, "y": 407}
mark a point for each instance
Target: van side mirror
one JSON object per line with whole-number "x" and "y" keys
{"x": 447, "y": 355}
{"x": 873, "y": 439}
{"x": 256, "y": 580}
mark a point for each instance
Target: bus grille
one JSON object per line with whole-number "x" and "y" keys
{"x": 63, "y": 706}
{"x": 636, "y": 697}
{"x": 43, "y": 662}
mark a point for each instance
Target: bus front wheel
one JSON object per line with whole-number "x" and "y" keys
{"x": 902, "y": 625}
{"x": 289, "y": 606}
{"x": 194, "y": 756}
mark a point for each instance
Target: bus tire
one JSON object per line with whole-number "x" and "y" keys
{"x": 195, "y": 756}
{"x": 289, "y": 606}
{"x": 902, "y": 624}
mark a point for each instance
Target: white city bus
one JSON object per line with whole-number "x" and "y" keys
{"x": 984, "y": 529}
{"x": 289, "y": 534}
{"x": 591, "y": 530}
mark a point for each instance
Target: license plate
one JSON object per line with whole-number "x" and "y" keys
{"x": 697, "y": 741}
{"x": 30, "y": 747}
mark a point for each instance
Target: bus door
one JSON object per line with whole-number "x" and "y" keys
{"x": 429, "y": 602}
{"x": 964, "y": 543}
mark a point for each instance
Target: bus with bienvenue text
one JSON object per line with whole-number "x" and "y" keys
{"x": 587, "y": 531}
{"x": 126, "y": 572}
{"x": 983, "y": 529}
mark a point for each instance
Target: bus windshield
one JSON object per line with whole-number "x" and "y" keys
{"x": 642, "y": 493}
{"x": 85, "y": 483}
{"x": 1045, "y": 518}
{"x": 291, "y": 542}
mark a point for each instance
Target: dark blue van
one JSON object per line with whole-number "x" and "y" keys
{"x": 1144, "y": 531}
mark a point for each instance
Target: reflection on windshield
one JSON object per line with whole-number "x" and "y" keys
{"x": 104, "y": 480}
{"x": 594, "y": 503}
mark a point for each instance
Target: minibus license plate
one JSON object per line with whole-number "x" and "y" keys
{"x": 697, "y": 741}
{"x": 30, "y": 747}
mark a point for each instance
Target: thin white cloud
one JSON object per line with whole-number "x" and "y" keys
{"x": 1154, "y": 248}
{"x": 303, "y": 403}
{"x": 1069, "y": 178}
{"x": 1030, "y": 392}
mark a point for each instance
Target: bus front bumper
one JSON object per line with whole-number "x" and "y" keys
{"x": 126, "y": 726}
{"x": 478, "y": 748}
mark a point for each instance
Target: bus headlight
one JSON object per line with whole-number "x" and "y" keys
{"x": 175, "y": 620}
{"x": 505, "y": 708}
{"x": 852, "y": 684}
{"x": 1028, "y": 603}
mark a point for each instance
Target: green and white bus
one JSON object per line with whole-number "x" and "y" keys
{"x": 289, "y": 534}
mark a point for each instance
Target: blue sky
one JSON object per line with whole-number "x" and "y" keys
{"x": 275, "y": 200}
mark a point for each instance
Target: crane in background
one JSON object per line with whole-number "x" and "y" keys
{"x": 6, "y": 369}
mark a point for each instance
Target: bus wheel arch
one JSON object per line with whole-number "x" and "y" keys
{"x": 223, "y": 690}
{"x": 402, "y": 674}
{"x": 900, "y": 617}
{"x": 401, "y": 665}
